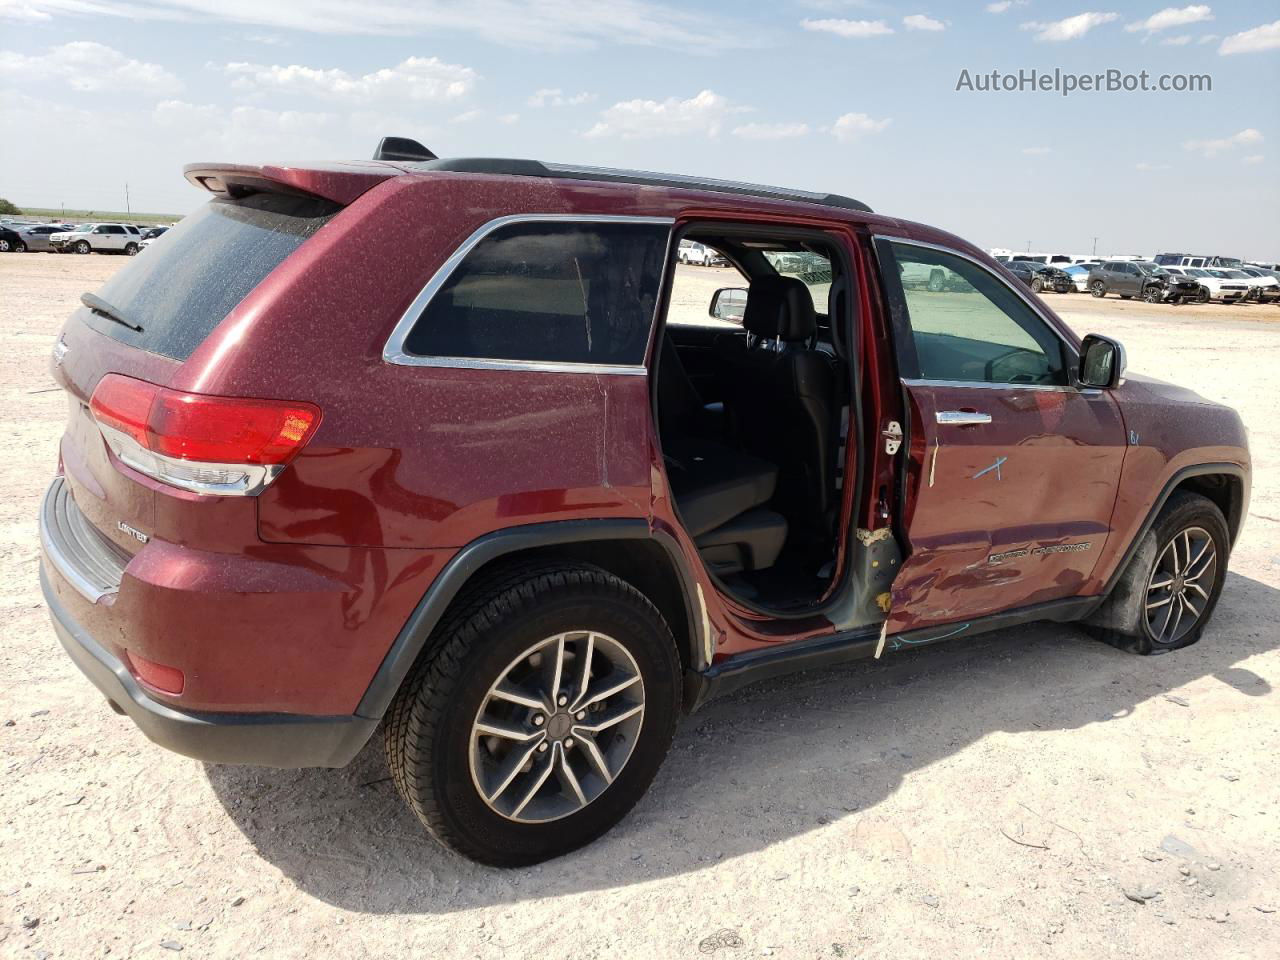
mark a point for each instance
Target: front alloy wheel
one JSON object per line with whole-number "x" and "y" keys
{"x": 1178, "y": 591}
{"x": 1152, "y": 295}
{"x": 557, "y": 727}
{"x": 1098, "y": 288}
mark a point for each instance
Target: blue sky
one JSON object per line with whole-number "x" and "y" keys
{"x": 853, "y": 97}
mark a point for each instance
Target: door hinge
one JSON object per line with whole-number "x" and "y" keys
{"x": 892, "y": 437}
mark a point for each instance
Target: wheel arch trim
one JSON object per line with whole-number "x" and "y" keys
{"x": 1234, "y": 517}
{"x": 468, "y": 561}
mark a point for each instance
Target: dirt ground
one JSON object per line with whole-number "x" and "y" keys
{"x": 1021, "y": 794}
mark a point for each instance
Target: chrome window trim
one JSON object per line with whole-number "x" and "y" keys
{"x": 394, "y": 352}
{"x": 1069, "y": 351}
{"x": 987, "y": 385}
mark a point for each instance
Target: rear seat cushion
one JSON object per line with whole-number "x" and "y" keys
{"x": 712, "y": 484}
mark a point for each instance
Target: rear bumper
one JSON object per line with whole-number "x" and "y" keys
{"x": 263, "y": 739}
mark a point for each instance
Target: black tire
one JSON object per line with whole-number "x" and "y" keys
{"x": 1126, "y": 296}
{"x": 1098, "y": 289}
{"x": 428, "y": 728}
{"x": 1037, "y": 285}
{"x": 4, "y": 246}
{"x": 1122, "y": 620}
{"x": 130, "y": 249}
{"x": 1152, "y": 295}
{"x": 1203, "y": 295}
{"x": 82, "y": 246}
{"x": 936, "y": 281}
{"x": 19, "y": 247}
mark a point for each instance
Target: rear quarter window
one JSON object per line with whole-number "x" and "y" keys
{"x": 579, "y": 292}
{"x": 200, "y": 270}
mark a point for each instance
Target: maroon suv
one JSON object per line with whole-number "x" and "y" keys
{"x": 456, "y": 447}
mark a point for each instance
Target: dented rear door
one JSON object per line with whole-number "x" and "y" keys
{"x": 1012, "y": 470}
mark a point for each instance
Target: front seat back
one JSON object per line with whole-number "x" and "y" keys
{"x": 781, "y": 397}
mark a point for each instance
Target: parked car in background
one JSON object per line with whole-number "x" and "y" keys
{"x": 150, "y": 233}
{"x": 1213, "y": 287}
{"x": 11, "y": 241}
{"x": 36, "y": 235}
{"x": 699, "y": 253}
{"x": 1139, "y": 278}
{"x": 1200, "y": 260}
{"x": 99, "y": 238}
{"x": 1040, "y": 276}
{"x": 1079, "y": 274}
{"x": 1264, "y": 285}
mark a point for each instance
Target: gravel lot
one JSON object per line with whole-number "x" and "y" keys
{"x": 1026, "y": 793}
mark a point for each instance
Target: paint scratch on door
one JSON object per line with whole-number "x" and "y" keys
{"x": 1000, "y": 461}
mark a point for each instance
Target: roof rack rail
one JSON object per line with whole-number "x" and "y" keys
{"x": 564, "y": 171}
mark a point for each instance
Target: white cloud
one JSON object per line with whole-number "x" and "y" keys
{"x": 1172, "y": 17}
{"x": 1072, "y": 28}
{"x": 1002, "y": 5}
{"x": 1253, "y": 158}
{"x": 1211, "y": 148}
{"x": 1146, "y": 167}
{"x": 918, "y": 21}
{"x": 530, "y": 24}
{"x": 418, "y": 78}
{"x": 1037, "y": 151}
{"x": 770, "y": 131}
{"x": 1265, "y": 37}
{"x": 555, "y": 97}
{"x": 89, "y": 67}
{"x": 850, "y": 126}
{"x": 849, "y": 28}
{"x": 1207, "y": 38}
{"x": 467, "y": 116}
{"x": 643, "y": 119}
{"x": 1179, "y": 41}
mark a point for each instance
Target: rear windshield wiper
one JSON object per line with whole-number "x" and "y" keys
{"x": 104, "y": 309}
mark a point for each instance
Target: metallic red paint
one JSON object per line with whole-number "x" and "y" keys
{"x": 289, "y": 601}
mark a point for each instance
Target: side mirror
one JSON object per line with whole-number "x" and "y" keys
{"x": 1102, "y": 362}
{"x": 729, "y": 303}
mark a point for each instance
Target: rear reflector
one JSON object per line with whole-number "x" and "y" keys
{"x": 158, "y": 676}
{"x": 220, "y": 445}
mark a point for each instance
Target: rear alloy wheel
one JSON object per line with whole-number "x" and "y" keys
{"x": 130, "y": 249}
{"x": 82, "y": 246}
{"x": 537, "y": 715}
{"x": 1098, "y": 288}
{"x": 4, "y": 245}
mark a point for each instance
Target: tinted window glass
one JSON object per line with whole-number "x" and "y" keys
{"x": 208, "y": 263}
{"x": 547, "y": 291}
{"x": 967, "y": 325}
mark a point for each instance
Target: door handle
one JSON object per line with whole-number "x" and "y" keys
{"x": 963, "y": 418}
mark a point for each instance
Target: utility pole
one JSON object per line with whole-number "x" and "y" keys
{"x": 1095, "y": 246}
{"x": 127, "y": 208}
{"x": 1028, "y": 246}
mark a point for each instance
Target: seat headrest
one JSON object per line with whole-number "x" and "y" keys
{"x": 780, "y": 307}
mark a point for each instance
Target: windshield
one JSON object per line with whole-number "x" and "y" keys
{"x": 1196, "y": 272}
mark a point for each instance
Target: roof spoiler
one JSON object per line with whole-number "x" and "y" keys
{"x": 339, "y": 183}
{"x": 402, "y": 148}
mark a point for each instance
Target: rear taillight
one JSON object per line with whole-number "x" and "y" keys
{"x": 218, "y": 445}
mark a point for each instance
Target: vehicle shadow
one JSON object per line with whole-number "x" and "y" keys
{"x": 850, "y": 734}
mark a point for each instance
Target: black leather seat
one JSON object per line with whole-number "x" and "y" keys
{"x": 782, "y": 400}
{"x": 719, "y": 492}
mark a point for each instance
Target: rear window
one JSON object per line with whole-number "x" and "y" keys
{"x": 188, "y": 281}
{"x": 548, "y": 291}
